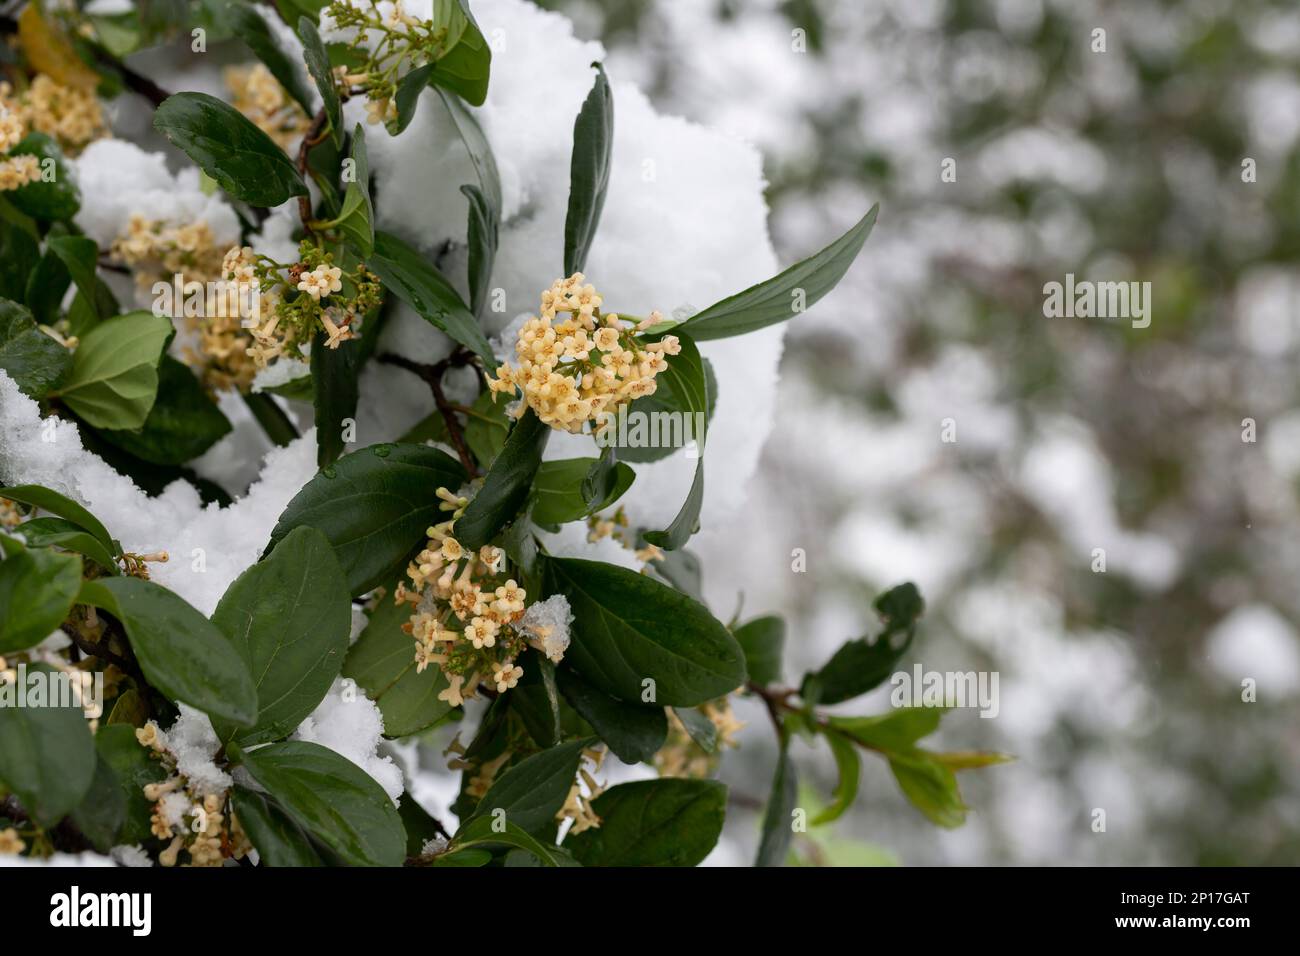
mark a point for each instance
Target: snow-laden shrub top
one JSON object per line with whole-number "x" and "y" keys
{"x": 292, "y": 473}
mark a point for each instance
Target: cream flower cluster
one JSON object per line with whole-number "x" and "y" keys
{"x": 188, "y": 819}
{"x": 577, "y": 364}
{"x": 71, "y": 116}
{"x": 321, "y": 281}
{"x": 680, "y": 756}
{"x": 469, "y": 618}
{"x": 260, "y": 97}
{"x": 15, "y": 171}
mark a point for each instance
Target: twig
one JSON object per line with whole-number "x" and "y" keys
{"x": 311, "y": 138}
{"x": 432, "y": 375}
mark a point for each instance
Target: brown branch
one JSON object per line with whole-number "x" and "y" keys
{"x": 432, "y": 375}
{"x": 313, "y": 137}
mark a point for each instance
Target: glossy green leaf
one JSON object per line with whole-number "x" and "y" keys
{"x": 332, "y": 799}
{"x": 629, "y": 629}
{"x": 56, "y": 504}
{"x": 47, "y": 755}
{"x": 335, "y": 375}
{"x": 373, "y": 506}
{"x": 34, "y": 360}
{"x": 318, "y": 65}
{"x": 289, "y": 616}
{"x": 862, "y": 665}
{"x": 507, "y": 484}
{"x": 181, "y": 652}
{"x": 37, "y": 589}
{"x": 64, "y": 534}
{"x": 762, "y": 640}
{"x": 279, "y": 841}
{"x": 244, "y": 161}
{"x": 466, "y": 67}
{"x": 589, "y": 169}
{"x": 404, "y": 271}
{"x": 634, "y": 732}
{"x": 530, "y": 794}
{"x": 783, "y": 296}
{"x": 665, "y": 822}
{"x": 481, "y": 238}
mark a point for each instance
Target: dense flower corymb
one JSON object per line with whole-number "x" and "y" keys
{"x": 581, "y": 367}
{"x": 470, "y": 618}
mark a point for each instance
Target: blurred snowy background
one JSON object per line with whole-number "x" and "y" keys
{"x": 1120, "y": 691}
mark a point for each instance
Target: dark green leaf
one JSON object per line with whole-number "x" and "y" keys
{"x": 357, "y": 219}
{"x": 243, "y": 160}
{"x": 133, "y": 768}
{"x": 629, "y": 628}
{"x": 334, "y": 376}
{"x": 506, "y": 485}
{"x": 61, "y": 505}
{"x": 532, "y": 791}
{"x": 686, "y": 382}
{"x": 634, "y": 732}
{"x": 331, "y": 798}
{"x": 466, "y": 67}
{"x": 47, "y": 755}
{"x": 536, "y": 699}
{"x": 407, "y": 98}
{"x": 861, "y": 665}
{"x": 37, "y": 589}
{"x": 54, "y": 196}
{"x": 318, "y": 64}
{"x": 417, "y": 283}
{"x": 762, "y": 640}
{"x": 181, "y": 652}
{"x": 667, "y": 822}
{"x": 46, "y": 287}
{"x": 59, "y": 533}
{"x": 374, "y": 506}
{"x": 102, "y": 811}
{"x": 778, "y": 823}
{"x": 486, "y": 428}
{"x": 19, "y": 254}
{"x": 278, "y": 840}
{"x": 481, "y": 239}
{"x": 80, "y": 256}
{"x": 382, "y": 662}
{"x": 785, "y": 295}
{"x": 485, "y": 831}
{"x": 589, "y": 167}
{"x": 289, "y": 616}
{"x": 33, "y": 359}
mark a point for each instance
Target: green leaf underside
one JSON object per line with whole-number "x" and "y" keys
{"x": 557, "y": 497}
{"x": 778, "y": 828}
{"x": 113, "y": 381}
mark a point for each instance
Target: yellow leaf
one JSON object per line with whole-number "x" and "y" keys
{"x": 49, "y": 52}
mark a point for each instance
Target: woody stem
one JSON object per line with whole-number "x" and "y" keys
{"x": 432, "y": 375}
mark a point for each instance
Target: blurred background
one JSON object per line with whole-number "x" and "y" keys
{"x": 1119, "y": 690}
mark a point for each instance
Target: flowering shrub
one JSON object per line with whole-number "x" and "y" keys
{"x": 242, "y": 669}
